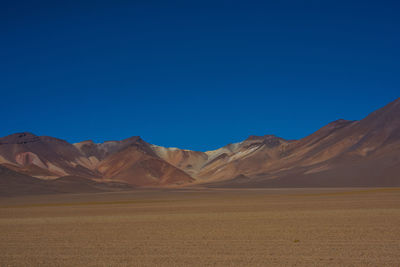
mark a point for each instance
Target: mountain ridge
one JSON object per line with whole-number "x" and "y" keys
{"x": 362, "y": 153}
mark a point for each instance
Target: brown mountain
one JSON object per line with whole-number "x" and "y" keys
{"x": 131, "y": 161}
{"x": 43, "y": 156}
{"x": 343, "y": 153}
{"x": 137, "y": 164}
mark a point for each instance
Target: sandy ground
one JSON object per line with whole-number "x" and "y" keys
{"x": 302, "y": 227}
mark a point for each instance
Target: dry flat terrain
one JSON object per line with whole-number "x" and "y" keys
{"x": 302, "y": 227}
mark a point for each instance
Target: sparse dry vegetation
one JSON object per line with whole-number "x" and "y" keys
{"x": 303, "y": 227}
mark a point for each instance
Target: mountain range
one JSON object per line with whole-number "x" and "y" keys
{"x": 341, "y": 154}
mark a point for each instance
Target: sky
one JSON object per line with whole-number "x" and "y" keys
{"x": 194, "y": 74}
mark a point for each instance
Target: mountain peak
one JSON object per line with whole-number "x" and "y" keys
{"x": 268, "y": 140}
{"x": 19, "y": 138}
{"x": 22, "y": 135}
{"x": 133, "y": 139}
{"x": 387, "y": 116}
{"x": 262, "y": 137}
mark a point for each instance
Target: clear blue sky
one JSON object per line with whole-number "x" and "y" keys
{"x": 194, "y": 74}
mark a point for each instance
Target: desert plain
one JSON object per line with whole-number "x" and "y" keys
{"x": 213, "y": 227}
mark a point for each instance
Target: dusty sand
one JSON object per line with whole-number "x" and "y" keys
{"x": 302, "y": 227}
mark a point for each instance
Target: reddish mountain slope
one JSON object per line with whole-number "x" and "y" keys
{"x": 131, "y": 161}
{"x": 137, "y": 164}
{"x": 343, "y": 153}
{"x": 43, "y": 156}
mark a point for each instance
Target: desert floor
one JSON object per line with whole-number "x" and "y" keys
{"x": 261, "y": 227}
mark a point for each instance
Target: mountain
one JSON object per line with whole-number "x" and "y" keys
{"x": 130, "y": 161}
{"x": 43, "y": 156}
{"x": 137, "y": 164}
{"x": 342, "y": 153}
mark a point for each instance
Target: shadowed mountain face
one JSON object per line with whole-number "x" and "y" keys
{"x": 343, "y": 153}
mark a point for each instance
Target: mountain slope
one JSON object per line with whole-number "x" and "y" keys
{"x": 137, "y": 164}
{"x": 342, "y": 153}
{"x": 131, "y": 160}
{"x": 43, "y": 156}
